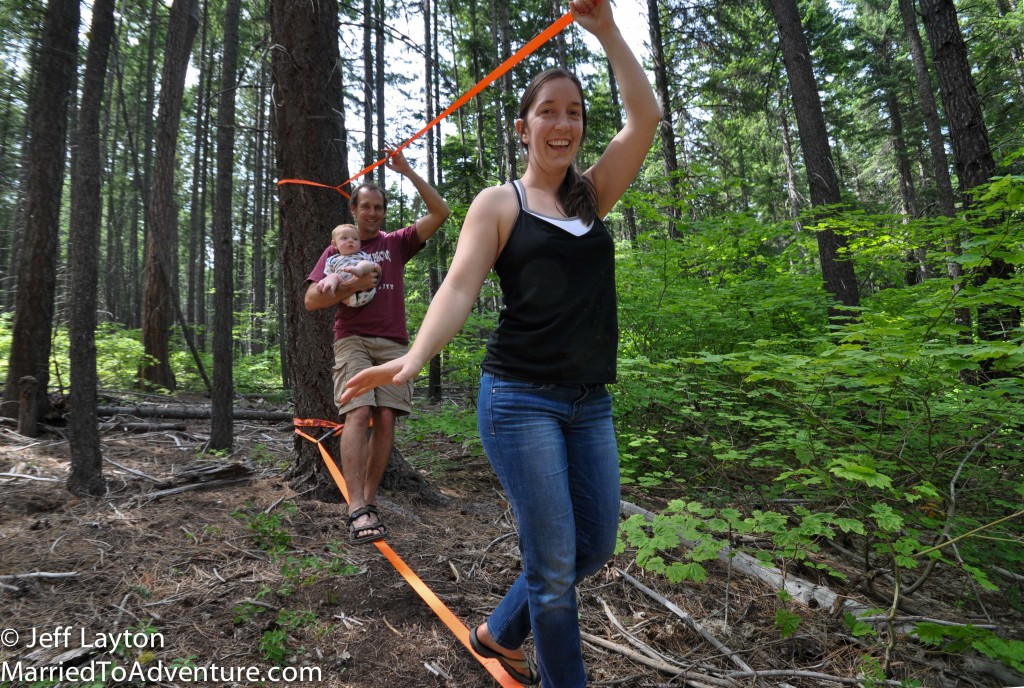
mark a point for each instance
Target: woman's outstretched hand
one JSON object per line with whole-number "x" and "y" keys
{"x": 396, "y": 372}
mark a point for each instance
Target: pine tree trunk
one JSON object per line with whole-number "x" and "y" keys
{"x": 307, "y": 87}
{"x": 222, "y": 422}
{"x": 86, "y": 475}
{"x": 367, "y": 84}
{"x": 478, "y": 103}
{"x": 378, "y": 83}
{"x": 507, "y": 135}
{"x": 54, "y": 67}
{"x": 972, "y": 154}
{"x": 669, "y": 153}
{"x": 936, "y": 143}
{"x": 194, "y": 289}
{"x": 162, "y": 238}
{"x": 259, "y": 227}
{"x": 836, "y": 270}
{"x": 613, "y": 89}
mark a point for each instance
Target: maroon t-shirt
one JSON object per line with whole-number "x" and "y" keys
{"x": 384, "y": 315}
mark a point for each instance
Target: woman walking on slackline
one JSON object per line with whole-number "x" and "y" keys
{"x": 545, "y": 416}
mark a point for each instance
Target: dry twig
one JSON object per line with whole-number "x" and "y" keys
{"x": 655, "y": 664}
{"x": 693, "y": 623}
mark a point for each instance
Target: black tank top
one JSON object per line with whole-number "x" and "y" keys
{"x": 559, "y": 321}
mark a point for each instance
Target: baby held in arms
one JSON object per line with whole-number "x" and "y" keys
{"x": 349, "y": 264}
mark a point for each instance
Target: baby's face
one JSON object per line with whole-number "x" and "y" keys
{"x": 347, "y": 243}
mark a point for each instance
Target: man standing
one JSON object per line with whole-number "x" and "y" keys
{"x": 368, "y": 335}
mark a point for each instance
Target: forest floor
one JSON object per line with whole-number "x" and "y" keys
{"x": 195, "y": 569}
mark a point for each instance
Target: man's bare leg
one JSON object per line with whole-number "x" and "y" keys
{"x": 355, "y": 462}
{"x": 382, "y": 439}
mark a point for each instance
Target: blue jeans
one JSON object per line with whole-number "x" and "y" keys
{"x": 553, "y": 449}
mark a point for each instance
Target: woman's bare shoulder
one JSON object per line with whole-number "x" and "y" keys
{"x": 495, "y": 206}
{"x": 497, "y": 198}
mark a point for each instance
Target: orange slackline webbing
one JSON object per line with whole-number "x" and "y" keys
{"x": 541, "y": 38}
{"x": 309, "y": 183}
{"x": 458, "y": 628}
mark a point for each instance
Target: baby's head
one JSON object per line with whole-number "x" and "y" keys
{"x": 346, "y": 239}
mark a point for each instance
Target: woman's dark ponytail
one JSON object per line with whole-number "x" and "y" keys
{"x": 577, "y": 196}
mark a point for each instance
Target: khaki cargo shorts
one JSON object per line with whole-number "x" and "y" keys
{"x": 354, "y": 354}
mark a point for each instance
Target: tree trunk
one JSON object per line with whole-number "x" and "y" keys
{"x": 367, "y": 84}
{"x": 561, "y": 49}
{"x": 20, "y": 221}
{"x": 161, "y": 240}
{"x": 195, "y": 290}
{"x": 222, "y": 424}
{"x": 972, "y": 154}
{"x": 137, "y": 276}
{"x": 379, "y": 99}
{"x": 434, "y": 366}
{"x": 1014, "y": 40}
{"x": 792, "y": 193}
{"x": 54, "y": 68}
{"x": 968, "y": 135}
{"x": 478, "y": 103}
{"x": 669, "y": 154}
{"x": 86, "y": 475}
{"x": 507, "y": 136}
{"x": 204, "y": 192}
{"x": 836, "y": 269}
{"x": 259, "y": 225}
{"x": 929, "y": 109}
{"x": 613, "y": 89}
{"x": 309, "y": 132}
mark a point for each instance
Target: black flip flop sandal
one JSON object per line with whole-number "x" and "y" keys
{"x": 529, "y": 679}
{"x": 373, "y": 531}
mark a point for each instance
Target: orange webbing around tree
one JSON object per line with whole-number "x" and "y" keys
{"x": 538, "y": 40}
{"x": 458, "y": 628}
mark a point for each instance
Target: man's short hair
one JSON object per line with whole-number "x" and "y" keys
{"x": 369, "y": 186}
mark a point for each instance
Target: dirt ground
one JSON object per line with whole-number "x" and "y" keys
{"x": 189, "y": 580}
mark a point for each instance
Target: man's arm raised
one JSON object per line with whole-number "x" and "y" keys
{"x": 437, "y": 209}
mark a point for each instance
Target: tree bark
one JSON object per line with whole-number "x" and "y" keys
{"x": 669, "y": 154}
{"x": 507, "y": 135}
{"x": 222, "y": 425}
{"x": 368, "y": 90}
{"x": 161, "y": 240}
{"x": 972, "y": 154}
{"x": 380, "y": 17}
{"x": 86, "y": 475}
{"x": 836, "y": 269}
{"x": 930, "y": 111}
{"x": 478, "y": 103}
{"x": 434, "y": 365}
{"x": 259, "y": 226}
{"x": 195, "y": 287}
{"x": 309, "y": 134}
{"x": 54, "y": 71}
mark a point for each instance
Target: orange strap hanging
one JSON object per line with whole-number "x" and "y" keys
{"x": 309, "y": 183}
{"x": 449, "y": 619}
{"x": 538, "y": 40}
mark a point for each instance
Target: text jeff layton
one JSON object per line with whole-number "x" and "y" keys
{"x": 64, "y": 636}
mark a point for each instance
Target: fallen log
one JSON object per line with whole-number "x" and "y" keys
{"x": 126, "y": 426}
{"x": 186, "y": 412}
{"x": 800, "y": 590}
